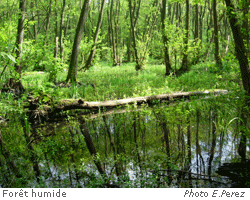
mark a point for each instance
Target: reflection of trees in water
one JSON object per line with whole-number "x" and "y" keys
{"x": 178, "y": 145}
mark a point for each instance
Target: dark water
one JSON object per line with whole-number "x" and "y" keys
{"x": 178, "y": 145}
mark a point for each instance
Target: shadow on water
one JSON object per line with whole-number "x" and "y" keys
{"x": 202, "y": 143}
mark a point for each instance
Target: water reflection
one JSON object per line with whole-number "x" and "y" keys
{"x": 182, "y": 145}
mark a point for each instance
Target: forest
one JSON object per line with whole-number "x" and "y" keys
{"x": 124, "y": 93}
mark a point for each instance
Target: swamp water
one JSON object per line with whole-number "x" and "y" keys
{"x": 176, "y": 145}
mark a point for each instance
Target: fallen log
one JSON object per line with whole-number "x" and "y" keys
{"x": 81, "y": 104}
{"x": 71, "y": 104}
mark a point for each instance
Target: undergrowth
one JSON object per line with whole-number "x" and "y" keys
{"x": 104, "y": 82}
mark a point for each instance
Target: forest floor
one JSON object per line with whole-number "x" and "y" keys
{"x": 105, "y": 82}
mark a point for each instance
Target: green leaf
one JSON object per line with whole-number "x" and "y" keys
{"x": 12, "y": 58}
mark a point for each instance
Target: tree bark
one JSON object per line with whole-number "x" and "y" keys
{"x": 33, "y": 18}
{"x": 92, "y": 150}
{"x": 15, "y": 82}
{"x": 47, "y": 24}
{"x": 184, "y": 65}
{"x": 112, "y": 144}
{"x": 72, "y": 73}
{"x": 61, "y": 30}
{"x": 133, "y": 20}
{"x": 71, "y": 104}
{"x": 165, "y": 38}
{"x": 216, "y": 35}
{"x": 211, "y": 157}
{"x": 92, "y": 52}
{"x": 245, "y": 25}
{"x": 111, "y": 20}
{"x": 239, "y": 46}
{"x": 196, "y": 33}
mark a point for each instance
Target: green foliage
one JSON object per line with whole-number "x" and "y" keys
{"x": 8, "y": 56}
{"x": 66, "y": 154}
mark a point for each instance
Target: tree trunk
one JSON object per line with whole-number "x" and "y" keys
{"x": 216, "y": 36}
{"x": 135, "y": 141}
{"x": 133, "y": 20}
{"x": 61, "y": 30}
{"x": 112, "y": 144}
{"x": 15, "y": 82}
{"x": 239, "y": 46}
{"x": 184, "y": 65}
{"x": 211, "y": 157}
{"x": 196, "y": 33}
{"x": 92, "y": 150}
{"x": 67, "y": 22}
{"x": 47, "y": 24}
{"x": 92, "y": 52}
{"x": 165, "y": 38}
{"x": 33, "y": 18}
{"x": 72, "y": 73}
{"x": 33, "y": 156}
{"x": 113, "y": 31}
{"x": 246, "y": 25}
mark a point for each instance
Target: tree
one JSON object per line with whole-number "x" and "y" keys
{"x": 184, "y": 65}
{"x": 216, "y": 36}
{"x": 165, "y": 38}
{"x": 113, "y": 20}
{"x": 134, "y": 14}
{"x": 72, "y": 73}
{"x": 92, "y": 52}
{"x": 239, "y": 46}
{"x": 15, "y": 82}
{"x": 61, "y": 29}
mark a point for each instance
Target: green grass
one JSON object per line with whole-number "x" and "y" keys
{"x": 105, "y": 82}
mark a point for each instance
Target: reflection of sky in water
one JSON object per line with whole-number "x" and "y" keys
{"x": 131, "y": 171}
{"x": 226, "y": 153}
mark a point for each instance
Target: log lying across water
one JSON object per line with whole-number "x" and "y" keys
{"x": 37, "y": 113}
{"x": 69, "y": 104}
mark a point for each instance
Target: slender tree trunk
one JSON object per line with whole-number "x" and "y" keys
{"x": 128, "y": 47}
{"x": 134, "y": 13}
{"x": 166, "y": 133}
{"x": 216, "y": 35}
{"x": 189, "y": 142}
{"x": 184, "y": 65}
{"x": 92, "y": 150}
{"x": 165, "y": 38}
{"x": 198, "y": 148}
{"x": 196, "y": 33}
{"x": 72, "y": 73}
{"x": 61, "y": 30}
{"x": 211, "y": 157}
{"x": 33, "y": 155}
{"x": 92, "y": 52}
{"x": 112, "y": 144}
{"x": 243, "y": 138}
{"x": 66, "y": 27}
{"x": 239, "y": 46}
{"x": 245, "y": 25}
{"x": 15, "y": 82}
{"x": 116, "y": 28}
{"x": 111, "y": 33}
{"x": 47, "y": 24}
{"x": 135, "y": 140}
{"x": 33, "y": 18}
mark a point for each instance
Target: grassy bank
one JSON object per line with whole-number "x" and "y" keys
{"x": 105, "y": 82}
